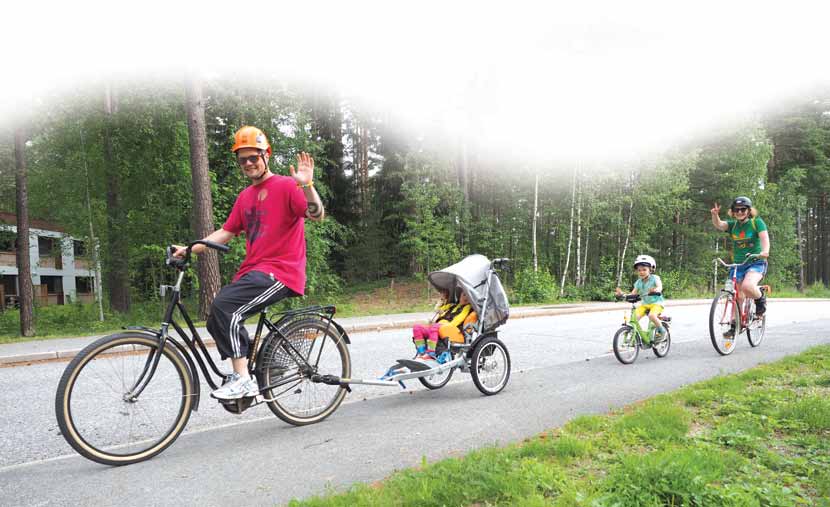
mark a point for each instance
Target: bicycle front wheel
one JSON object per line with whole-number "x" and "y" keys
{"x": 287, "y": 362}
{"x": 722, "y": 316}
{"x": 438, "y": 380}
{"x": 103, "y": 420}
{"x": 626, "y": 347}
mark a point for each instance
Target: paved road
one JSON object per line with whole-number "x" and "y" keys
{"x": 562, "y": 367}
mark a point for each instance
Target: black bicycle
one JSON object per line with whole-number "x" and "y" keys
{"x": 128, "y": 396}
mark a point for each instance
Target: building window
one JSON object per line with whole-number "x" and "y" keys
{"x": 8, "y": 291}
{"x": 84, "y": 284}
{"x": 8, "y": 241}
{"x": 79, "y": 248}
{"x": 45, "y": 246}
{"x": 9, "y": 283}
{"x": 54, "y": 284}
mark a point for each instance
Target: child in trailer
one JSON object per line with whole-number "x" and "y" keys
{"x": 448, "y": 314}
{"x": 650, "y": 287}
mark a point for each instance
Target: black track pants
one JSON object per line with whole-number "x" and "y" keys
{"x": 238, "y": 301}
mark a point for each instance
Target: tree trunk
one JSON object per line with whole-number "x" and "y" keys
{"x": 625, "y": 243}
{"x": 570, "y": 238}
{"x": 364, "y": 168}
{"x": 24, "y": 266}
{"x": 535, "y": 213}
{"x": 208, "y": 265}
{"x": 585, "y": 259}
{"x": 96, "y": 261}
{"x": 811, "y": 246}
{"x": 464, "y": 171}
{"x": 578, "y": 279}
{"x": 824, "y": 256}
{"x": 799, "y": 239}
{"x": 118, "y": 273}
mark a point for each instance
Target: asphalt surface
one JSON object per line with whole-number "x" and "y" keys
{"x": 562, "y": 367}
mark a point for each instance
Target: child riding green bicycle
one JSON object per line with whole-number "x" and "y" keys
{"x": 650, "y": 288}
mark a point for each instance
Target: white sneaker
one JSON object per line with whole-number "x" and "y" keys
{"x": 236, "y": 388}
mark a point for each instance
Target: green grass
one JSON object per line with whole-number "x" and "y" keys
{"x": 758, "y": 438}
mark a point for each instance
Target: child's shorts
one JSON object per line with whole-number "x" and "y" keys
{"x": 655, "y": 309}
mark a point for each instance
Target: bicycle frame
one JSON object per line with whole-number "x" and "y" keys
{"x": 201, "y": 355}
{"x": 634, "y": 323}
{"x": 741, "y": 311}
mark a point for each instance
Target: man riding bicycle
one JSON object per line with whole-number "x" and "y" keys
{"x": 750, "y": 238}
{"x": 271, "y": 212}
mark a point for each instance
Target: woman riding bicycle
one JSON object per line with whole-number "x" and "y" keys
{"x": 750, "y": 238}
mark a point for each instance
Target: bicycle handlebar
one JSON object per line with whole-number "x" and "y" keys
{"x": 501, "y": 263}
{"x": 182, "y": 262}
{"x": 750, "y": 257}
{"x": 633, "y": 298}
{"x": 211, "y": 244}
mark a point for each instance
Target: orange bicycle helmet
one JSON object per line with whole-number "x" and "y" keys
{"x": 250, "y": 137}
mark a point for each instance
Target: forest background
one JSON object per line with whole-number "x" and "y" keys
{"x": 114, "y": 164}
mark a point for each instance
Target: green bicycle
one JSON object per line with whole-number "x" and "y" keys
{"x": 631, "y": 337}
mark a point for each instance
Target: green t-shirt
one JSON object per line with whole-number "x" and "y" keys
{"x": 744, "y": 237}
{"x": 644, "y": 286}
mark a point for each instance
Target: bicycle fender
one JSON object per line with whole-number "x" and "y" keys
{"x": 194, "y": 373}
{"x": 342, "y": 331}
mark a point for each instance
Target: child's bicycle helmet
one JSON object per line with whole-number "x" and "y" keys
{"x": 645, "y": 260}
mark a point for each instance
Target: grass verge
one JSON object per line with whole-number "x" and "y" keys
{"x": 758, "y": 438}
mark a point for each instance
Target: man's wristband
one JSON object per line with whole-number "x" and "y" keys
{"x": 307, "y": 185}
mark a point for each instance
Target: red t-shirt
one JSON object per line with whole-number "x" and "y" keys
{"x": 272, "y": 216}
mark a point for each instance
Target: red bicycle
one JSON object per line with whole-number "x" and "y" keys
{"x": 726, "y": 313}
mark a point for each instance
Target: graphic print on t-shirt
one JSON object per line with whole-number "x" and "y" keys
{"x": 744, "y": 239}
{"x": 253, "y": 223}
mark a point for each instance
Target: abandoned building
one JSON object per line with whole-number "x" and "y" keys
{"x": 62, "y": 268}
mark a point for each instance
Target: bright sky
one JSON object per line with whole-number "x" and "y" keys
{"x": 554, "y": 84}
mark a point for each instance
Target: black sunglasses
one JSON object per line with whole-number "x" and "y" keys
{"x": 739, "y": 210}
{"x": 251, "y": 159}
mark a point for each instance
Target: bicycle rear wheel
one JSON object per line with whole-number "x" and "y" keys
{"x": 490, "y": 365}
{"x": 626, "y": 347}
{"x": 287, "y": 361}
{"x": 661, "y": 348}
{"x": 100, "y": 418}
{"x": 722, "y": 315}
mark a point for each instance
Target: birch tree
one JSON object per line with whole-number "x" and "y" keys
{"x": 570, "y": 237}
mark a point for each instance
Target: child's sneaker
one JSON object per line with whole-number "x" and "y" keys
{"x": 444, "y": 357}
{"x": 760, "y": 307}
{"x": 420, "y": 350}
{"x": 427, "y": 356}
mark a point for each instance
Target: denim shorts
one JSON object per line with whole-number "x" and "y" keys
{"x": 759, "y": 266}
